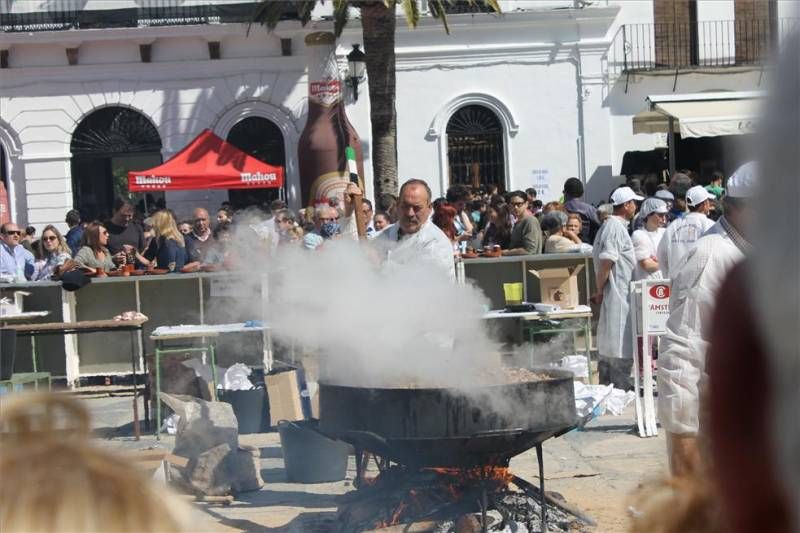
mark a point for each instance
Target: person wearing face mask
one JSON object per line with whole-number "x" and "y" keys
{"x": 326, "y": 227}
{"x": 414, "y": 238}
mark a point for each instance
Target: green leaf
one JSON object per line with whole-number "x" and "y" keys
{"x": 341, "y": 14}
{"x": 411, "y": 10}
{"x": 436, "y": 8}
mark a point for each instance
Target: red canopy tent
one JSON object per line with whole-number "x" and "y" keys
{"x": 207, "y": 162}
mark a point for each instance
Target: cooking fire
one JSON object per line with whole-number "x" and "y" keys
{"x": 486, "y": 498}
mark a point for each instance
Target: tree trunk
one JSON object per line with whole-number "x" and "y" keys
{"x": 378, "y": 23}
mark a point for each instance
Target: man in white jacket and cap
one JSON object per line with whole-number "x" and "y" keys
{"x": 414, "y": 238}
{"x": 681, "y": 361}
{"x": 682, "y": 233}
{"x": 614, "y": 262}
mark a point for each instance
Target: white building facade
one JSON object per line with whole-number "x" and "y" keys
{"x": 548, "y": 90}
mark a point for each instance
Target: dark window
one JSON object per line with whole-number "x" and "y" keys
{"x": 475, "y": 147}
{"x": 105, "y": 146}
{"x": 262, "y": 139}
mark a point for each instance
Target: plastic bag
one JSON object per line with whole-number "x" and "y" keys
{"x": 236, "y": 378}
{"x": 577, "y": 364}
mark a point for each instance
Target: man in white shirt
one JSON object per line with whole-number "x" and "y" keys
{"x": 613, "y": 265}
{"x": 681, "y": 361}
{"x": 414, "y": 238}
{"x": 681, "y": 235}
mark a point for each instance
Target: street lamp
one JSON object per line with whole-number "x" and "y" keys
{"x": 356, "y": 65}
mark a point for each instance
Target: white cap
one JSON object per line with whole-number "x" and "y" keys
{"x": 697, "y": 195}
{"x": 665, "y": 195}
{"x": 652, "y": 205}
{"x": 624, "y": 194}
{"x": 743, "y": 182}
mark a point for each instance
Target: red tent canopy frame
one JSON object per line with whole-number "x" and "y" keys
{"x": 207, "y": 162}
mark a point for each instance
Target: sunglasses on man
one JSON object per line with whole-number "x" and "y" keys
{"x": 12, "y": 232}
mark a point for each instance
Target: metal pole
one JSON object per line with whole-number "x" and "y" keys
{"x": 671, "y": 145}
{"x": 540, "y": 459}
{"x": 136, "y": 429}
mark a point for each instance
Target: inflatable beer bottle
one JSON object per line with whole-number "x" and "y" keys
{"x": 321, "y": 151}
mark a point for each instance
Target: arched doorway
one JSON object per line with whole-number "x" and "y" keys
{"x": 106, "y": 145}
{"x": 475, "y": 152}
{"x": 262, "y": 139}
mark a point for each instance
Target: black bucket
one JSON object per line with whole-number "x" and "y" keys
{"x": 250, "y": 408}
{"x": 8, "y": 351}
{"x": 310, "y": 456}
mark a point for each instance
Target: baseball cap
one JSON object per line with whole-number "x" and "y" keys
{"x": 624, "y": 194}
{"x": 665, "y": 195}
{"x": 697, "y": 195}
{"x": 652, "y": 205}
{"x": 743, "y": 182}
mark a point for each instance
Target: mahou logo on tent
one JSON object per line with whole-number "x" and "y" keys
{"x": 153, "y": 182}
{"x": 258, "y": 177}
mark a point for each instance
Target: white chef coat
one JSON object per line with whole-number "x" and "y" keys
{"x": 680, "y": 237}
{"x": 614, "y": 325}
{"x": 682, "y": 358}
{"x": 429, "y": 244}
{"x": 645, "y": 244}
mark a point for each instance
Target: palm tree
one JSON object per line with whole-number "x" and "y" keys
{"x": 378, "y": 27}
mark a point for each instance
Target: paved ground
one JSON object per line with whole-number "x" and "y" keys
{"x": 595, "y": 469}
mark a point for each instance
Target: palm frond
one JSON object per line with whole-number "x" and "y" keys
{"x": 436, "y": 8}
{"x": 411, "y": 10}
{"x": 341, "y": 14}
{"x": 270, "y": 12}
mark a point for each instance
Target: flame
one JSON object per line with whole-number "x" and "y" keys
{"x": 451, "y": 484}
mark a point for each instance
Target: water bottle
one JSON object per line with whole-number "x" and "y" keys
{"x": 20, "y": 277}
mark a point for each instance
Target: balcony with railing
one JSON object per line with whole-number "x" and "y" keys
{"x": 152, "y": 13}
{"x": 707, "y": 44}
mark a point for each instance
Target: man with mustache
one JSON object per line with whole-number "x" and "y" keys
{"x": 414, "y": 237}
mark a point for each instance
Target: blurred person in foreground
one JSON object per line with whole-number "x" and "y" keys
{"x": 751, "y": 481}
{"x": 614, "y": 262}
{"x": 682, "y": 355}
{"x": 55, "y": 479}
{"x": 414, "y": 238}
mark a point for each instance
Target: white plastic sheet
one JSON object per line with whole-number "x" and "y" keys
{"x": 236, "y": 377}
{"x": 601, "y": 399}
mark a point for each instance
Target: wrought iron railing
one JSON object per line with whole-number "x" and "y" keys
{"x": 152, "y": 13}
{"x": 707, "y": 44}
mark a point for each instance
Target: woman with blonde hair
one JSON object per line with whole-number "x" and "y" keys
{"x": 55, "y": 479}
{"x": 168, "y": 247}
{"x": 54, "y": 253}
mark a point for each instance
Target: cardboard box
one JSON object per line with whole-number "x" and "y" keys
{"x": 283, "y": 391}
{"x": 559, "y": 286}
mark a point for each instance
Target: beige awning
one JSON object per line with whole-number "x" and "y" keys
{"x": 703, "y": 117}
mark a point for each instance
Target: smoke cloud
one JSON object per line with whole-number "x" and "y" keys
{"x": 379, "y": 327}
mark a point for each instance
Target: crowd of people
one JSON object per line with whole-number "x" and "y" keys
{"x": 473, "y": 219}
